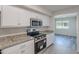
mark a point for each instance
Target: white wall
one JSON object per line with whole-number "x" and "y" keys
{"x": 71, "y": 31}
{"x": 52, "y": 23}
{"x": 77, "y": 32}
{"x": 67, "y": 11}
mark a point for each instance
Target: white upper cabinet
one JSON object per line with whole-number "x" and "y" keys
{"x": 13, "y": 17}
{"x": 9, "y": 16}
{"x": 45, "y": 20}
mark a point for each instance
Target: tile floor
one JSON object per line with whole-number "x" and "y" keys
{"x": 62, "y": 45}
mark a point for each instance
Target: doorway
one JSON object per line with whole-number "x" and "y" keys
{"x": 65, "y": 35}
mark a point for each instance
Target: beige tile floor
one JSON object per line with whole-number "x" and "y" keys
{"x": 62, "y": 45}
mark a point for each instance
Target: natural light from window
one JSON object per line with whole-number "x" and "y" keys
{"x": 62, "y": 24}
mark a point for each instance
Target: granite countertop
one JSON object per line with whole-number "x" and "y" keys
{"x": 47, "y": 32}
{"x": 18, "y": 38}
{"x": 8, "y": 41}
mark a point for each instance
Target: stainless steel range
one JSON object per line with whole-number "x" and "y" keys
{"x": 39, "y": 37}
{"x": 40, "y": 40}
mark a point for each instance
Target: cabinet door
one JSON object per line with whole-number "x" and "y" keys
{"x": 50, "y": 38}
{"x": 9, "y": 16}
{"x": 23, "y": 18}
{"x": 14, "y": 17}
{"x": 45, "y": 21}
{"x": 27, "y": 48}
{"x": 11, "y": 50}
{"x": 24, "y": 48}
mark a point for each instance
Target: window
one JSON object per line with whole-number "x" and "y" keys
{"x": 62, "y": 24}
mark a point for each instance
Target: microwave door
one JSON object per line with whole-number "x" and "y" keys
{"x": 35, "y": 23}
{"x": 40, "y": 23}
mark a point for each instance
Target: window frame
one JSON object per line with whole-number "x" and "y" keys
{"x": 60, "y": 24}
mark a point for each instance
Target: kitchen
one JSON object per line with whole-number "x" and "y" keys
{"x": 32, "y": 29}
{"x": 24, "y": 30}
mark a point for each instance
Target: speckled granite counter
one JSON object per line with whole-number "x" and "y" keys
{"x": 47, "y": 32}
{"x": 14, "y": 39}
{"x": 17, "y": 38}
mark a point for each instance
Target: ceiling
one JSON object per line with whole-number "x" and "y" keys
{"x": 53, "y": 8}
{"x": 47, "y": 9}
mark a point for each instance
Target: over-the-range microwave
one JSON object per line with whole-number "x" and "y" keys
{"x": 35, "y": 22}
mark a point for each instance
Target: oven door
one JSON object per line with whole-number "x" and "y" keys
{"x": 40, "y": 45}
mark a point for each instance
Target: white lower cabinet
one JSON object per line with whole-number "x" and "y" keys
{"x": 27, "y": 48}
{"x": 24, "y": 48}
{"x": 11, "y": 50}
{"x": 50, "y": 38}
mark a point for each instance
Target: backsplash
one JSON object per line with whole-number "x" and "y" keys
{"x": 42, "y": 28}
{"x": 4, "y": 31}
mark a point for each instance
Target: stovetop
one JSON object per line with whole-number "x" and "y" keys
{"x": 39, "y": 35}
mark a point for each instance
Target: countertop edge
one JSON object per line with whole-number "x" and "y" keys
{"x": 15, "y": 44}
